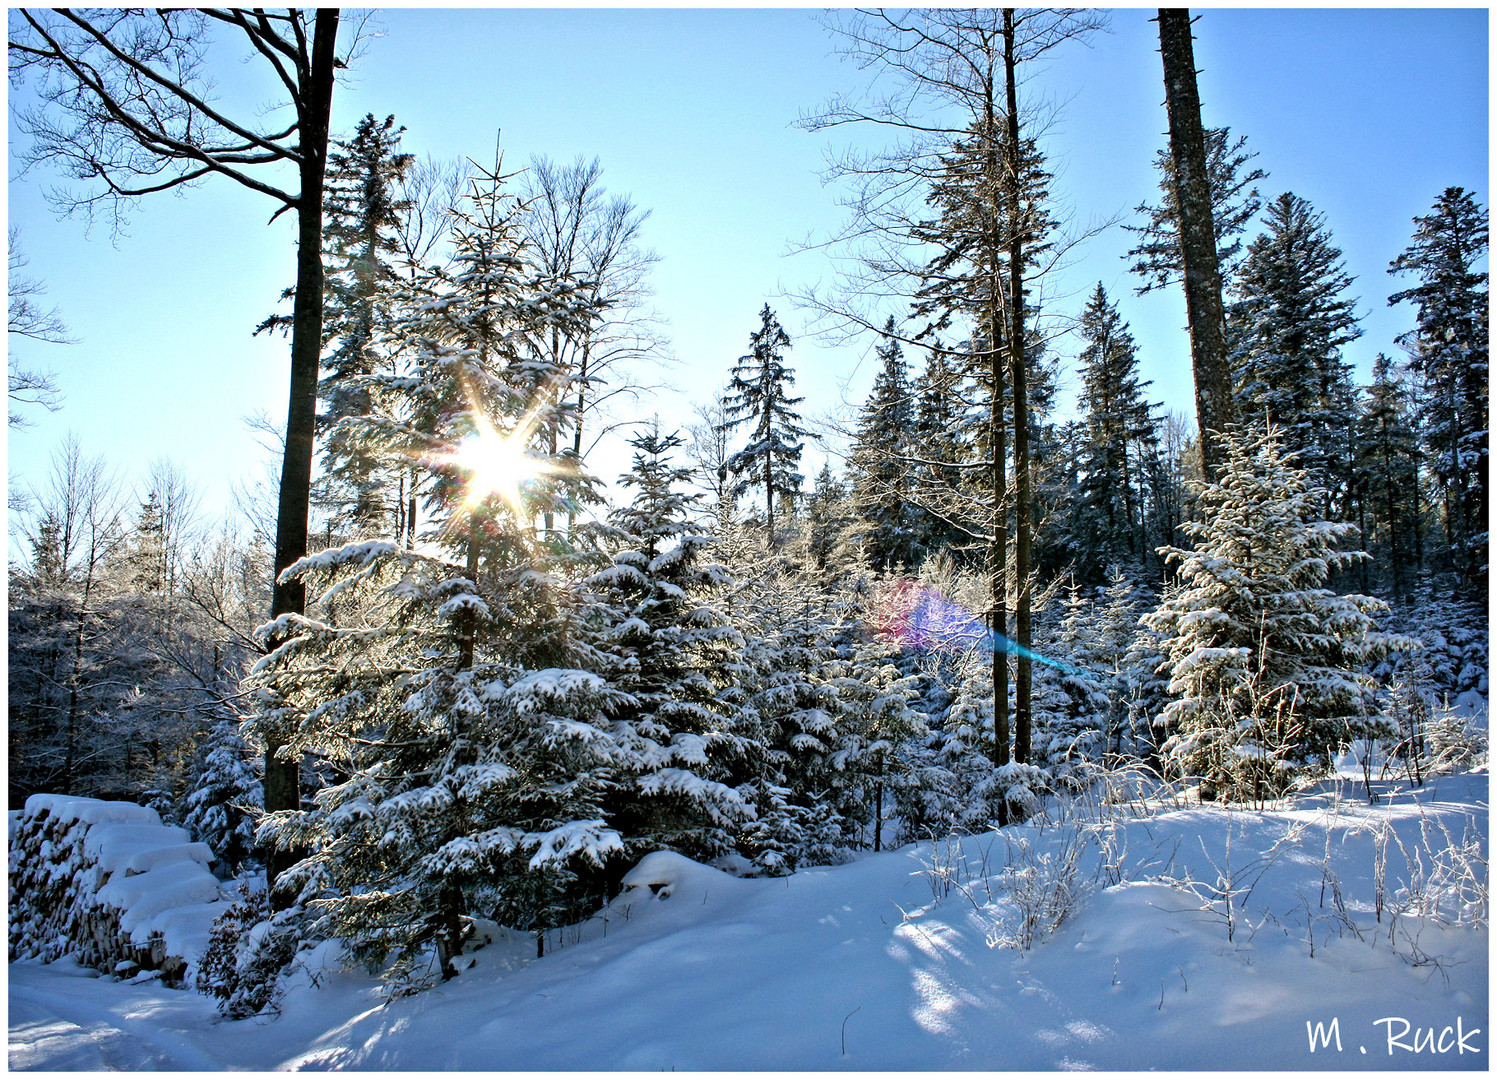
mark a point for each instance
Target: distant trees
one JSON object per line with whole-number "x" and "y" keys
{"x": 1386, "y": 478}
{"x": 757, "y": 398}
{"x": 1448, "y": 351}
{"x": 127, "y": 636}
{"x": 969, "y": 155}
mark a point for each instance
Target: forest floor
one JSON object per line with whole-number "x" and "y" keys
{"x": 1322, "y": 933}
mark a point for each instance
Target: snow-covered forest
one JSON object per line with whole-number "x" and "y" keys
{"x": 1008, "y": 736}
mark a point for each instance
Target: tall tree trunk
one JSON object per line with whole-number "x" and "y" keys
{"x": 998, "y": 480}
{"x": 1023, "y": 520}
{"x": 581, "y": 405}
{"x": 769, "y": 499}
{"x": 1215, "y": 409}
{"x": 282, "y": 775}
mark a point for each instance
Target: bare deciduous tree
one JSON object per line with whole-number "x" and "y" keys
{"x": 124, "y": 107}
{"x": 952, "y": 100}
{"x": 26, "y": 318}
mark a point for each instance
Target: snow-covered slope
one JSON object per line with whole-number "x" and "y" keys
{"x": 889, "y": 962}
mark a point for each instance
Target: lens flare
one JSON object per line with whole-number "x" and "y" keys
{"x": 915, "y": 616}
{"x": 496, "y": 465}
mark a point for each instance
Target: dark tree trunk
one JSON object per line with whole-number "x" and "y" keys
{"x": 998, "y": 481}
{"x": 1215, "y": 409}
{"x": 1023, "y": 522}
{"x": 314, "y": 104}
{"x": 769, "y": 498}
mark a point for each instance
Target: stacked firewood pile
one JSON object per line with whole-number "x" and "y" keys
{"x": 109, "y": 885}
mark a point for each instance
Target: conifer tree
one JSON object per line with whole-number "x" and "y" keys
{"x": 880, "y": 463}
{"x": 224, "y": 795}
{"x": 1289, "y": 319}
{"x": 1269, "y": 668}
{"x": 1449, "y": 353}
{"x": 1234, "y": 202}
{"x": 1117, "y": 437}
{"x": 450, "y": 695}
{"x": 363, "y": 214}
{"x": 936, "y": 478}
{"x": 757, "y": 397}
{"x": 665, "y": 644}
{"x": 831, "y": 533}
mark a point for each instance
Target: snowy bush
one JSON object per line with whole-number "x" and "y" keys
{"x": 1453, "y": 742}
{"x": 248, "y": 951}
{"x": 107, "y": 883}
{"x": 1043, "y": 888}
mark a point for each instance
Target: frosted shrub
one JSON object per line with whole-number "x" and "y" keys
{"x": 247, "y": 952}
{"x": 1044, "y": 889}
{"x": 1452, "y": 742}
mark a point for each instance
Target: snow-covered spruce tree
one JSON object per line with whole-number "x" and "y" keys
{"x": 1071, "y": 703}
{"x": 880, "y": 467}
{"x": 224, "y": 795}
{"x": 1449, "y": 353}
{"x": 475, "y": 753}
{"x": 882, "y": 727}
{"x": 665, "y": 643}
{"x": 790, "y": 711}
{"x": 1109, "y": 643}
{"x": 1268, "y": 666}
{"x": 1087, "y": 701}
{"x": 757, "y": 396}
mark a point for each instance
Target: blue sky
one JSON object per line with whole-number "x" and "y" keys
{"x": 1369, "y": 114}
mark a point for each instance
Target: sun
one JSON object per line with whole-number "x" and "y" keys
{"x": 496, "y": 465}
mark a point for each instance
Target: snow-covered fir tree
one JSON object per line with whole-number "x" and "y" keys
{"x": 791, "y": 710}
{"x": 474, "y": 750}
{"x": 1269, "y": 668}
{"x": 666, "y": 644}
{"x": 224, "y": 795}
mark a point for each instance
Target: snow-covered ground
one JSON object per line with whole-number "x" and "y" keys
{"x": 897, "y": 961}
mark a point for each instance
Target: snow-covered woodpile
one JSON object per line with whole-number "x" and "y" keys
{"x": 110, "y": 884}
